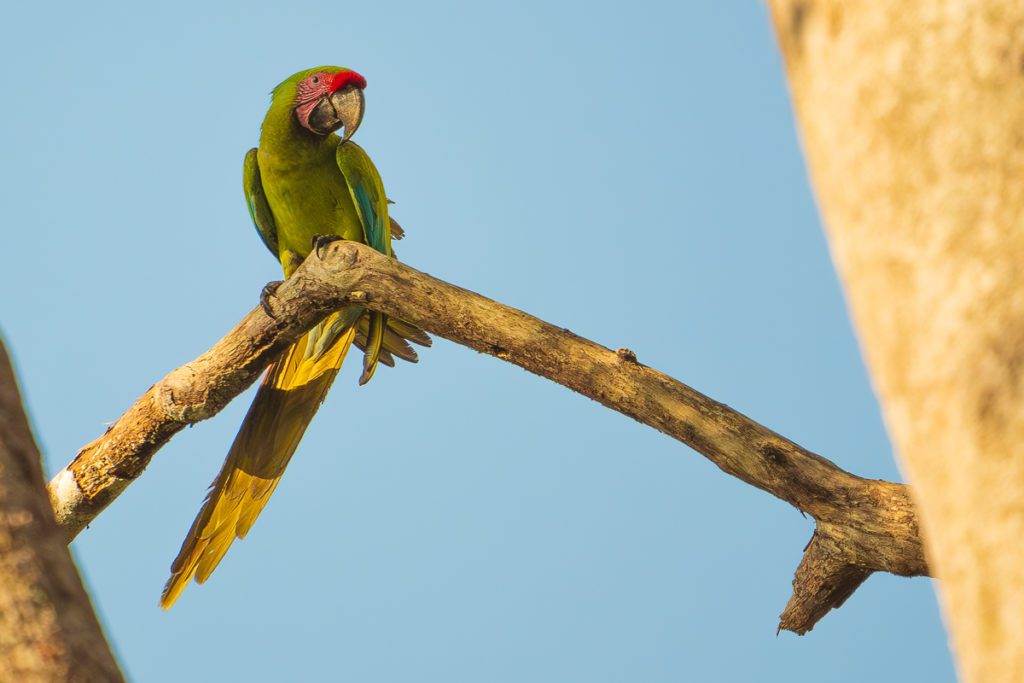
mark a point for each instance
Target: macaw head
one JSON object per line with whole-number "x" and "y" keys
{"x": 324, "y": 99}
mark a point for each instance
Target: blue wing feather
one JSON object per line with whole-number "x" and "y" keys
{"x": 373, "y": 226}
{"x": 367, "y": 192}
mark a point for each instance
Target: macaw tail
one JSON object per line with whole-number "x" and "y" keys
{"x": 292, "y": 390}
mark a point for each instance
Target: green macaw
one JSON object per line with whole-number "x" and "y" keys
{"x": 303, "y": 181}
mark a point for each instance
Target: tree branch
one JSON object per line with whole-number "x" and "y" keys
{"x": 862, "y": 525}
{"x": 48, "y": 630}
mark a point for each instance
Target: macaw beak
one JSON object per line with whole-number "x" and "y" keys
{"x": 341, "y": 110}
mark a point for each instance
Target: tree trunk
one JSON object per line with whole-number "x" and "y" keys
{"x": 912, "y": 118}
{"x": 48, "y": 631}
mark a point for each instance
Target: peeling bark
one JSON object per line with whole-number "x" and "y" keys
{"x": 871, "y": 525}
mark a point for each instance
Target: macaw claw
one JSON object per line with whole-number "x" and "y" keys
{"x": 269, "y": 291}
{"x": 322, "y": 241}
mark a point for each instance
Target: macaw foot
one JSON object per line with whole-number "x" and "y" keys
{"x": 269, "y": 291}
{"x": 321, "y": 242}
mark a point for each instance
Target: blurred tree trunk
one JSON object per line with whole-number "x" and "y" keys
{"x": 48, "y": 631}
{"x": 912, "y": 119}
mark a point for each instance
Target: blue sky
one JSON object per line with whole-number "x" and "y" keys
{"x": 631, "y": 172}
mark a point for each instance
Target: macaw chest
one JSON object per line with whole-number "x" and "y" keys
{"x": 306, "y": 204}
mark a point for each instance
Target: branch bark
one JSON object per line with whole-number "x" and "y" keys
{"x": 911, "y": 115}
{"x": 862, "y": 525}
{"x": 48, "y": 631}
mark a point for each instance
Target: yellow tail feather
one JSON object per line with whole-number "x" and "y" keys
{"x": 289, "y": 396}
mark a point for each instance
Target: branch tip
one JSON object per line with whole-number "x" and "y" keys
{"x": 823, "y": 581}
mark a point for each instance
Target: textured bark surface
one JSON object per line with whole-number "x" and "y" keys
{"x": 48, "y": 631}
{"x": 912, "y": 117}
{"x": 862, "y": 525}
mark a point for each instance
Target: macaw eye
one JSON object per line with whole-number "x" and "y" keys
{"x": 316, "y": 79}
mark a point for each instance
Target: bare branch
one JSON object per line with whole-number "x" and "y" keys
{"x": 48, "y": 631}
{"x": 872, "y": 523}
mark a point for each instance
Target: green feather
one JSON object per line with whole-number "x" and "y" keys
{"x": 259, "y": 210}
{"x": 371, "y": 204}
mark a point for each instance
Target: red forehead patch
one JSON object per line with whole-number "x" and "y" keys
{"x": 345, "y": 78}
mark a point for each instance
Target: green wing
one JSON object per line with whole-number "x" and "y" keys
{"x": 256, "y": 200}
{"x": 367, "y": 192}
